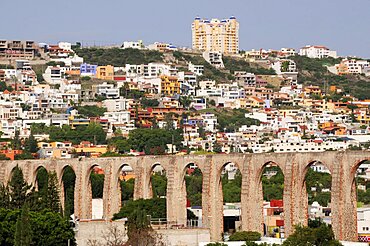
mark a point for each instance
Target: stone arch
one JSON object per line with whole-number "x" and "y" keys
{"x": 152, "y": 169}
{"x": 355, "y": 166}
{"x": 220, "y": 198}
{"x": 262, "y": 167}
{"x": 35, "y": 174}
{"x": 90, "y": 193}
{"x": 184, "y": 195}
{"x": 63, "y": 190}
{"x": 303, "y": 185}
{"x": 267, "y": 226}
{"x": 354, "y": 192}
{"x": 224, "y": 164}
{"x": 118, "y": 175}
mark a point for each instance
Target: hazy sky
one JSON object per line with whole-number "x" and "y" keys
{"x": 342, "y": 25}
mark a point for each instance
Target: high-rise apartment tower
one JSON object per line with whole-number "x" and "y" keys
{"x": 215, "y": 35}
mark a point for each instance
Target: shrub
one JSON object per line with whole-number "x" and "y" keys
{"x": 216, "y": 244}
{"x": 245, "y": 236}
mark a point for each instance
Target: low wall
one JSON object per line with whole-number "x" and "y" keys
{"x": 185, "y": 237}
{"x": 279, "y": 241}
{"x": 96, "y": 230}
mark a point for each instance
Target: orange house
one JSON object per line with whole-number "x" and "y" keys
{"x": 11, "y": 153}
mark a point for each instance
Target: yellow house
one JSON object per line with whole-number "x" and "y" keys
{"x": 363, "y": 118}
{"x": 170, "y": 85}
{"x": 90, "y": 149}
{"x": 105, "y": 72}
{"x": 256, "y": 102}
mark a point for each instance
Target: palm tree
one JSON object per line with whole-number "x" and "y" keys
{"x": 185, "y": 101}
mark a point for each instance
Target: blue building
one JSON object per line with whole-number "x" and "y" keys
{"x": 88, "y": 69}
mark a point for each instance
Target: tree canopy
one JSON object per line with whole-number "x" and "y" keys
{"x": 155, "y": 207}
{"x": 153, "y": 141}
{"x": 118, "y": 57}
{"x": 93, "y": 133}
{"x": 30, "y": 217}
{"x": 321, "y": 236}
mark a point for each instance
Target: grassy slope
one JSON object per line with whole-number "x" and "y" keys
{"x": 314, "y": 72}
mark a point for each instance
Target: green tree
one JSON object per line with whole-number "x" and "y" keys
{"x": 22, "y": 235}
{"x": 30, "y": 144}
{"x": 97, "y": 185}
{"x": 245, "y": 236}
{"x": 185, "y": 101}
{"x": 18, "y": 189}
{"x": 127, "y": 190}
{"x": 120, "y": 144}
{"x": 217, "y": 148}
{"x": 16, "y": 142}
{"x": 194, "y": 184}
{"x": 155, "y": 208}
{"x": 148, "y": 103}
{"x": 4, "y": 87}
{"x": 154, "y": 140}
{"x": 69, "y": 180}
{"x": 273, "y": 187}
{"x": 321, "y": 236}
{"x": 159, "y": 184}
{"x": 91, "y": 111}
{"x": 42, "y": 185}
{"x": 231, "y": 120}
{"x": 53, "y": 201}
{"x": 168, "y": 118}
{"x": 24, "y": 156}
{"x": 231, "y": 188}
{"x": 139, "y": 231}
{"x": 117, "y": 56}
{"x": 4, "y": 196}
{"x": 319, "y": 181}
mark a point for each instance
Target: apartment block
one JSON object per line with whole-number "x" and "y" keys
{"x": 17, "y": 49}
{"x": 216, "y": 35}
{"x": 170, "y": 85}
{"x": 352, "y": 66}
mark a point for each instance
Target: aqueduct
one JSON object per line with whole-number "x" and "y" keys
{"x": 342, "y": 166}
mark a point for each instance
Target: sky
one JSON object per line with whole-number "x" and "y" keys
{"x": 342, "y": 25}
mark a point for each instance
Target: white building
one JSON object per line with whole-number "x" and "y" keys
{"x": 286, "y": 52}
{"x": 210, "y": 122}
{"x": 121, "y": 117}
{"x": 315, "y": 51}
{"x": 197, "y": 69}
{"x": 284, "y": 66}
{"x": 65, "y": 46}
{"x": 355, "y": 66}
{"x": 53, "y": 75}
{"x": 214, "y": 58}
{"x": 133, "y": 45}
{"x": 151, "y": 70}
{"x": 116, "y": 105}
{"x": 106, "y": 90}
{"x": 363, "y": 224}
